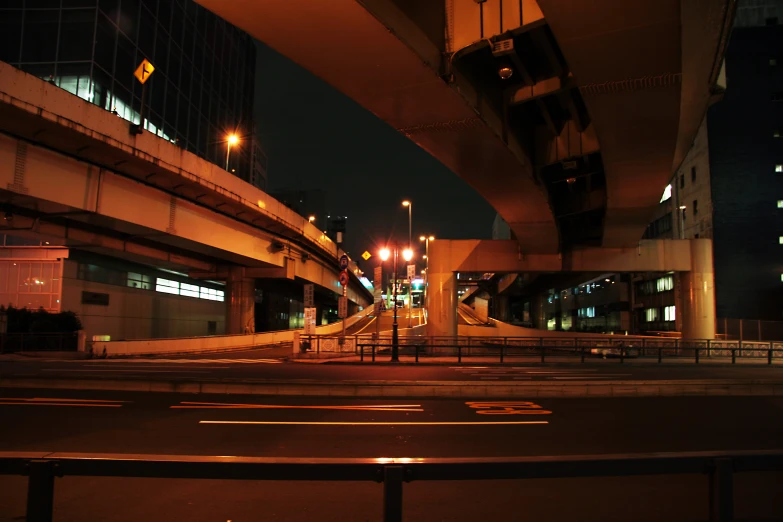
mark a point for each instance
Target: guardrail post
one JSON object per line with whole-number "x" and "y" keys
{"x": 582, "y": 349}
{"x": 361, "y": 353}
{"x": 769, "y": 354}
{"x": 722, "y": 491}
{"x": 392, "y": 493}
{"x": 696, "y": 354}
{"x": 622, "y": 353}
{"x": 416, "y": 348}
{"x": 503, "y": 346}
{"x": 40, "y": 491}
{"x": 733, "y": 356}
{"x": 373, "y": 353}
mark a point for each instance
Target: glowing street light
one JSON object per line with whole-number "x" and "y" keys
{"x": 231, "y": 140}
{"x": 311, "y": 219}
{"x": 384, "y": 254}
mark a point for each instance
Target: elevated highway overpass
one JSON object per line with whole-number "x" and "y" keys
{"x": 567, "y": 117}
{"x": 71, "y": 172}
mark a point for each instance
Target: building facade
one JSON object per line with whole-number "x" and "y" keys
{"x": 200, "y": 92}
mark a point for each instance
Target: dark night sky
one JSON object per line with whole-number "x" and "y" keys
{"x": 317, "y": 138}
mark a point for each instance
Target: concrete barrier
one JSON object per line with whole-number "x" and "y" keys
{"x": 212, "y": 343}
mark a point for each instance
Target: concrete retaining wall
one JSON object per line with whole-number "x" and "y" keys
{"x": 213, "y": 343}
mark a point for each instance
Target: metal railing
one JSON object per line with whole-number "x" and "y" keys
{"x": 43, "y": 468}
{"x": 549, "y": 348}
{"x": 45, "y": 342}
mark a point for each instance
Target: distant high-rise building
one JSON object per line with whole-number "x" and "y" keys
{"x": 306, "y": 203}
{"x": 200, "y": 92}
{"x": 336, "y": 227}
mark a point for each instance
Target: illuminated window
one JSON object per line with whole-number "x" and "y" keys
{"x": 780, "y": 240}
{"x": 141, "y": 281}
{"x": 211, "y": 294}
{"x": 667, "y": 193}
{"x": 189, "y": 290}
{"x": 651, "y": 314}
{"x": 780, "y": 203}
{"x": 664, "y": 283}
{"x": 778, "y": 168}
{"x": 668, "y": 313}
{"x": 167, "y": 286}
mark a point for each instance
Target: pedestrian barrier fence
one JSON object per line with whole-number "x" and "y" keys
{"x": 719, "y": 467}
{"x": 657, "y": 349}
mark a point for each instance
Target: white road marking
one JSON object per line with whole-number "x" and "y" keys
{"x": 182, "y": 361}
{"x": 372, "y": 423}
{"x": 116, "y": 370}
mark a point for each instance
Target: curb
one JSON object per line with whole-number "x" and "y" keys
{"x": 449, "y": 389}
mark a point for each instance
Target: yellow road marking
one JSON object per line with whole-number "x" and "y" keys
{"x": 220, "y": 405}
{"x": 508, "y": 408}
{"x": 373, "y": 423}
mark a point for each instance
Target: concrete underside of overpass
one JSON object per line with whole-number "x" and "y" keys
{"x": 575, "y": 147}
{"x": 72, "y": 173}
{"x": 693, "y": 258}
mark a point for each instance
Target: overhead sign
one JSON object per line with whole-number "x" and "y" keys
{"x": 411, "y": 272}
{"x": 342, "y": 307}
{"x": 144, "y": 71}
{"x": 343, "y": 262}
{"x": 309, "y": 294}
{"x": 344, "y": 278}
{"x": 366, "y": 255}
{"x": 309, "y": 320}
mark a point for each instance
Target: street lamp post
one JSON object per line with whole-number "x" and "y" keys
{"x": 407, "y": 254}
{"x": 408, "y": 204}
{"x": 231, "y": 140}
{"x": 682, "y": 221}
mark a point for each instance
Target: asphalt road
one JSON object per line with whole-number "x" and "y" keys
{"x": 269, "y": 364}
{"x": 368, "y": 324}
{"x": 49, "y": 420}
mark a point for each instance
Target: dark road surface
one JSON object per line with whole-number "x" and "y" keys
{"x": 49, "y": 420}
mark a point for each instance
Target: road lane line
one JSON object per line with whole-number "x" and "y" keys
{"x": 70, "y": 404}
{"x": 53, "y": 399}
{"x": 132, "y": 370}
{"x": 374, "y": 423}
{"x": 584, "y": 377}
{"x": 218, "y": 405}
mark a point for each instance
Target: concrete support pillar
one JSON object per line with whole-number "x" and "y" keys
{"x": 538, "y": 311}
{"x": 502, "y": 309}
{"x": 442, "y": 312}
{"x": 240, "y": 302}
{"x": 698, "y": 293}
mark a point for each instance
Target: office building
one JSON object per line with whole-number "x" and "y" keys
{"x": 202, "y": 87}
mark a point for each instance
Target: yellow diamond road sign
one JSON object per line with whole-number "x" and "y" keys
{"x": 144, "y": 71}
{"x": 366, "y": 255}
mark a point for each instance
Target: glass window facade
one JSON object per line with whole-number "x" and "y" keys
{"x": 202, "y": 87}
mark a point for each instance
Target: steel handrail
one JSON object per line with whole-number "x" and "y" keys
{"x": 42, "y": 468}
